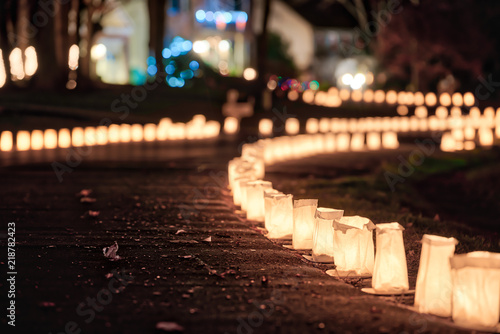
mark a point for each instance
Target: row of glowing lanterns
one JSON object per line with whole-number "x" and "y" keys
{"x": 197, "y": 128}
{"x": 465, "y": 287}
{"x": 334, "y": 97}
{"x": 459, "y": 131}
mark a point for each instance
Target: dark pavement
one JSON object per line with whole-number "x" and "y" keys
{"x": 160, "y": 203}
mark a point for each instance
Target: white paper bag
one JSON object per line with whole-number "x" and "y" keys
{"x": 322, "y": 250}
{"x": 476, "y": 289}
{"x": 434, "y": 287}
{"x": 390, "y": 272}
{"x": 303, "y": 223}
{"x": 281, "y": 216}
{"x": 353, "y": 247}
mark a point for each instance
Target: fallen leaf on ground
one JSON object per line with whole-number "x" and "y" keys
{"x": 168, "y": 326}
{"x": 94, "y": 213}
{"x": 110, "y": 252}
{"x": 180, "y": 231}
{"x": 87, "y": 200}
{"x": 209, "y": 239}
{"x": 84, "y": 192}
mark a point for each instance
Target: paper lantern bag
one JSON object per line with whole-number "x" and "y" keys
{"x": 476, "y": 289}
{"x": 322, "y": 250}
{"x": 390, "y": 272}
{"x": 353, "y": 247}
{"x": 255, "y": 199}
{"x": 303, "y": 223}
{"x": 434, "y": 287}
{"x": 280, "y": 216}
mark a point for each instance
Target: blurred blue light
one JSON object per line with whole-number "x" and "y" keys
{"x": 194, "y": 65}
{"x": 170, "y": 69}
{"x": 166, "y": 53}
{"x": 178, "y": 39}
{"x": 227, "y": 17}
{"x": 151, "y": 61}
{"x": 242, "y": 17}
{"x": 209, "y": 16}
{"x": 187, "y": 46}
{"x": 187, "y": 74}
{"x": 175, "y": 51}
{"x": 172, "y": 82}
{"x": 200, "y": 15}
{"x": 152, "y": 70}
{"x": 180, "y": 82}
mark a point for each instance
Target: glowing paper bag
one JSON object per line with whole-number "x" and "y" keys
{"x": 353, "y": 247}
{"x": 255, "y": 199}
{"x": 476, "y": 289}
{"x": 281, "y": 216}
{"x": 322, "y": 250}
{"x": 303, "y": 223}
{"x": 390, "y": 273}
{"x": 434, "y": 287}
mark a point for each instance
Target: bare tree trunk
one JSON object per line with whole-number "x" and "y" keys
{"x": 157, "y": 10}
{"x": 5, "y": 46}
{"x": 262, "y": 54}
{"x": 61, "y": 38}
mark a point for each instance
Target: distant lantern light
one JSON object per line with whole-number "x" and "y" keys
{"x": 200, "y": 16}
{"x": 358, "y": 81}
{"x": 418, "y": 99}
{"x": 421, "y": 111}
{"x": 320, "y": 98}
{"x": 266, "y": 126}
{"x": 73, "y": 57}
{"x": 6, "y": 141}
{"x": 23, "y": 141}
{"x": 231, "y": 125}
{"x": 430, "y": 99}
{"x": 101, "y": 135}
{"x": 312, "y": 125}
{"x": 368, "y": 96}
{"x": 77, "y": 137}
{"x": 379, "y": 96}
{"x": 150, "y": 132}
{"x": 64, "y": 138}
{"x": 373, "y": 141}
{"x": 344, "y": 94}
{"x": 390, "y": 140}
{"x": 249, "y": 74}
{"x": 441, "y": 112}
{"x": 166, "y": 53}
{"x": 307, "y": 96}
{"x": 292, "y": 126}
{"x": 391, "y": 97}
{"x": 255, "y": 199}
{"x": 50, "y": 138}
{"x": 16, "y": 64}
{"x": 293, "y": 95}
{"x": 114, "y": 133}
{"x": 31, "y": 62}
{"x": 445, "y": 99}
{"x": 89, "y": 136}
{"x": 402, "y": 110}
{"x": 3, "y": 73}
{"x": 469, "y": 99}
{"x": 136, "y": 132}
{"x": 457, "y": 99}
{"x": 357, "y": 96}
